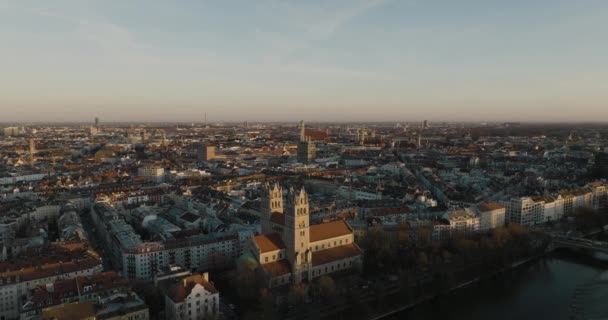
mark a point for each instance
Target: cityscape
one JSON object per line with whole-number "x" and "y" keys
{"x": 358, "y": 159}
{"x": 286, "y": 220}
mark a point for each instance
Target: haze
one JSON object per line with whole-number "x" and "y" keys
{"x": 314, "y": 60}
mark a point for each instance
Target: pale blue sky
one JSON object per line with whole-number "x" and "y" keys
{"x": 399, "y": 60}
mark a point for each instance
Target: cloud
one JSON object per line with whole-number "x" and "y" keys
{"x": 311, "y": 26}
{"x": 108, "y": 36}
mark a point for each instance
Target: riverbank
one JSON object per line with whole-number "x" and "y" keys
{"x": 561, "y": 285}
{"x": 428, "y": 298}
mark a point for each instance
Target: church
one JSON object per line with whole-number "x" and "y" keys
{"x": 290, "y": 250}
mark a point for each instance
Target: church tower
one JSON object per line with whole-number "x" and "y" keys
{"x": 272, "y": 201}
{"x": 297, "y": 234}
{"x": 307, "y": 151}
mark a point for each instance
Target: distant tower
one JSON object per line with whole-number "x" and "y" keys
{"x": 425, "y": 124}
{"x": 164, "y": 138}
{"x": 302, "y": 131}
{"x": 32, "y": 146}
{"x": 96, "y": 122}
{"x": 205, "y": 152}
{"x": 297, "y": 235}
{"x": 306, "y": 148}
{"x": 205, "y": 119}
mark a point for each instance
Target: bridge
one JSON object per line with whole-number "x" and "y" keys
{"x": 581, "y": 243}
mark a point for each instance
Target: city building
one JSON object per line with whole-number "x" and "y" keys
{"x": 152, "y": 172}
{"x": 192, "y": 297}
{"x": 205, "y": 152}
{"x": 29, "y": 270}
{"x": 291, "y": 250}
{"x": 462, "y": 222}
{"x": 524, "y": 211}
{"x": 126, "y": 306}
{"x": 93, "y": 288}
{"x": 135, "y": 258}
{"x": 491, "y": 216}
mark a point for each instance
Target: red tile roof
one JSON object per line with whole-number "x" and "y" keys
{"x": 329, "y": 230}
{"x": 334, "y": 254}
{"x": 277, "y": 268}
{"x": 315, "y": 135}
{"x": 180, "y": 290}
{"x": 269, "y": 242}
{"x": 76, "y": 310}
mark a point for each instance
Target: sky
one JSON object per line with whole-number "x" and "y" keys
{"x": 333, "y": 60}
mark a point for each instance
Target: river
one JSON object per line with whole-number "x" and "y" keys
{"x": 562, "y": 285}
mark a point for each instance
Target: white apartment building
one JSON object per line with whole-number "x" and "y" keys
{"x": 553, "y": 208}
{"x": 491, "y": 216}
{"x": 524, "y": 211}
{"x": 192, "y": 298}
{"x": 464, "y": 222}
{"x": 152, "y": 172}
{"x": 138, "y": 259}
{"x": 600, "y": 194}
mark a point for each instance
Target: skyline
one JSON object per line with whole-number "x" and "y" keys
{"x": 380, "y": 60}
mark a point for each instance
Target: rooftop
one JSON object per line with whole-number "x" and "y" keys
{"x": 336, "y": 253}
{"x": 329, "y": 230}
{"x": 269, "y": 242}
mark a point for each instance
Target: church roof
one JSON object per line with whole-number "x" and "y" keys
{"x": 269, "y": 242}
{"x": 334, "y": 254}
{"x": 277, "y": 218}
{"x": 277, "y": 268}
{"x": 316, "y": 135}
{"x": 329, "y": 230}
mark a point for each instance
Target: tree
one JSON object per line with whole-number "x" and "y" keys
{"x": 327, "y": 288}
{"x": 297, "y": 294}
{"x": 500, "y": 236}
{"x": 424, "y": 237}
{"x": 422, "y": 260}
{"x": 403, "y": 235}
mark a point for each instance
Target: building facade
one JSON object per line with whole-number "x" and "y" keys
{"x": 491, "y": 216}
{"x": 291, "y": 250}
{"x": 525, "y": 211}
{"x": 192, "y": 298}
